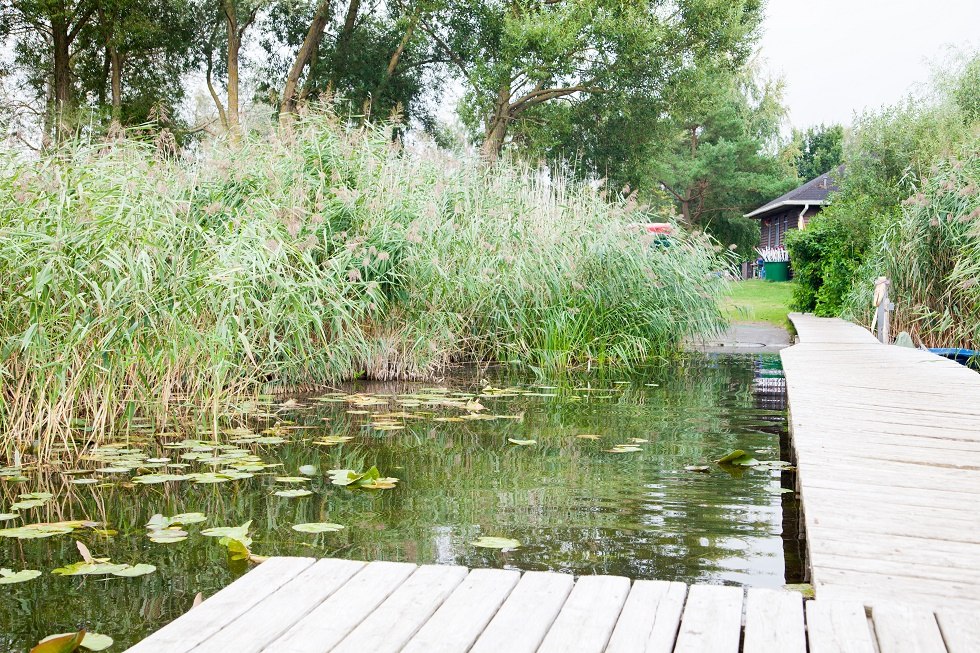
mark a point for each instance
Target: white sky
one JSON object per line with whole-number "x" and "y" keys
{"x": 839, "y": 57}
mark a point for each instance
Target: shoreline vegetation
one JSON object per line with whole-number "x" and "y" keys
{"x": 134, "y": 284}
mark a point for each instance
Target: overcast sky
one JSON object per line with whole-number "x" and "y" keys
{"x": 841, "y": 56}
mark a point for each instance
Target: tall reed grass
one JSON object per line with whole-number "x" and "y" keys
{"x": 131, "y": 284}
{"x": 932, "y": 255}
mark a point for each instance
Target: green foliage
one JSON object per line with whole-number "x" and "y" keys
{"x": 818, "y": 150}
{"x": 131, "y": 283}
{"x": 931, "y": 253}
{"x": 887, "y": 156}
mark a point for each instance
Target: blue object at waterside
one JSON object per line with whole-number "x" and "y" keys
{"x": 968, "y": 357}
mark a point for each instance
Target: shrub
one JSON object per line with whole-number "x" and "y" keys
{"x": 131, "y": 285}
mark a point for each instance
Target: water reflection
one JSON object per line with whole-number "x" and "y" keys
{"x": 574, "y": 506}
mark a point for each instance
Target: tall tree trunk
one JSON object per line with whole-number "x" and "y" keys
{"x": 496, "y": 131}
{"x": 222, "y": 115}
{"x": 116, "y": 64}
{"x": 310, "y": 44}
{"x": 234, "y": 45}
{"x": 61, "y": 95}
{"x": 393, "y": 61}
{"x": 344, "y": 38}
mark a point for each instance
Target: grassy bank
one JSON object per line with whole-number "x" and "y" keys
{"x": 757, "y": 300}
{"x": 131, "y": 284}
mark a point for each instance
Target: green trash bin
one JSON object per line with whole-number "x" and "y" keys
{"x": 777, "y": 270}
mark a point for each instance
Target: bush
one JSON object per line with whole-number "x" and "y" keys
{"x": 132, "y": 284}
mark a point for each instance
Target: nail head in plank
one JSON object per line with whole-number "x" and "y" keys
{"x": 526, "y": 615}
{"x": 463, "y": 616}
{"x": 273, "y": 616}
{"x": 589, "y": 615}
{"x": 332, "y": 620}
{"x": 838, "y": 627}
{"x": 712, "y": 620}
{"x": 774, "y": 622}
{"x": 200, "y": 623}
{"x": 650, "y": 618}
{"x": 906, "y": 629}
{"x": 960, "y": 629}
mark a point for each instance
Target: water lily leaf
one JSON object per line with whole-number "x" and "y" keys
{"x": 36, "y": 531}
{"x": 41, "y": 496}
{"x": 385, "y": 483}
{"x": 28, "y": 504}
{"x": 4, "y": 516}
{"x": 291, "y": 494}
{"x": 738, "y": 457}
{"x": 331, "y": 440}
{"x": 521, "y": 442}
{"x": 140, "y": 569}
{"x": 237, "y": 550}
{"x": 623, "y": 448}
{"x": 9, "y": 576}
{"x": 344, "y": 476}
{"x": 218, "y": 477}
{"x": 589, "y": 436}
{"x": 502, "y": 543}
{"x": 308, "y": 470}
{"x": 777, "y": 490}
{"x": 84, "y": 481}
{"x": 317, "y": 527}
{"x": 270, "y": 439}
{"x": 638, "y": 440}
{"x": 149, "y": 479}
{"x": 168, "y": 536}
{"x": 292, "y": 479}
{"x": 61, "y": 643}
{"x": 697, "y": 468}
{"x": 88, "y": 568}
{"x": 185, "y": 518}
{"x": 239, "y": 533}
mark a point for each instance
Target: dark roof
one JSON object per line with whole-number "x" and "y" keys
{"x": 813, "y": 192}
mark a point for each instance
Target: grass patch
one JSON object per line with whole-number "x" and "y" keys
{"x": 757, "y": 300}
{"x": 132, "y": 284}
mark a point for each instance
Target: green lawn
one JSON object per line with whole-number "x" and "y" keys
{"x": 756, "y": 300}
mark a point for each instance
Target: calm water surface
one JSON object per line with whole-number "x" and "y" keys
{"x": 574, "y": 506}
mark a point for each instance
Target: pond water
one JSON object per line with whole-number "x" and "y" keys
{"x": 619, "y": 501}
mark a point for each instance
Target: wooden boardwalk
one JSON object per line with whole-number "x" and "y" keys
{"x": 301, "y": 605}
{"x": 887, "y": 443}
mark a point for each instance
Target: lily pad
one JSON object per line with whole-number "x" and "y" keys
{"x": 697, "y": 468}
{"x": 308, "y": 470}
{"x": 150, "y": 479}
{"x": 91, "y": 641}
{"x": 522, "y": 442}
{"x": 624, "y": 448}
{"x": 502, "y": 543}
{"x": 737, "y": 457}
{"x": 777, "y": 490}
{"x": 36, "y": 531}
{"x": 239, "y": 533}
{"x": 9, "y": 576}
{"x": 291, "y": 494}
{"x": 4, "y": 516}
{"x": 140, "y": 569}
{"x": 589, "y": 436}
{"x": 27, "y": 504}
{"x": 292, "y": 479}
{"x": 317, "y": 527}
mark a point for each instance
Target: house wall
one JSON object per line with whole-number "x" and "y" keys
{"x": 775, "y": 225}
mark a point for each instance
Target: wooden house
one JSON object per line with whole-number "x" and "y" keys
{"x": 794, "y": 209}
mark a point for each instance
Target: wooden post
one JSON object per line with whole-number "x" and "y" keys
{"x": 883, "y": 308}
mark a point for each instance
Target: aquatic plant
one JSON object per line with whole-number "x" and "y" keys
{"x": 132, "y": 284}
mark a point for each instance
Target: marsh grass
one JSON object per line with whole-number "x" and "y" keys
{"x": 135, "y": 285}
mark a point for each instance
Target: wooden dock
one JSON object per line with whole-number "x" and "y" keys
{"x": 887, "y": 443}
{"x": 301, "y": 605}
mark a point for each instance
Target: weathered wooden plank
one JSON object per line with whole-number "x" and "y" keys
{"x": 712, "y": 620}
{"x": 328, "y": 623}
{"x": 267, "y": 620}
{"x": 960, "y": 629}
{"x": 460, "y": 620}
{"x": 202, "y": 622}
{"x": 650, "y": 618}
{"x": 525, "y": 617}
{"x": 774, "y": 622}
{"x": 838, "y": 627}
{"x": 906, "y": 629}
{"x": 392, "y": 624}
{"x": 587, "y": 619}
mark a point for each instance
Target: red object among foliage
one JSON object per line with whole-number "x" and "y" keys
{"x": 659, "y": 228}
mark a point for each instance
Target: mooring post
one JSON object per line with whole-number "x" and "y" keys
{"x": 883, "y": 308}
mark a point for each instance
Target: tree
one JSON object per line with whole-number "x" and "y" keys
{"x": 519, "y": 57}
{"x": 46, "y": 32}
{"x": 819, "y": 150}
{"x": 723, "y": 158}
